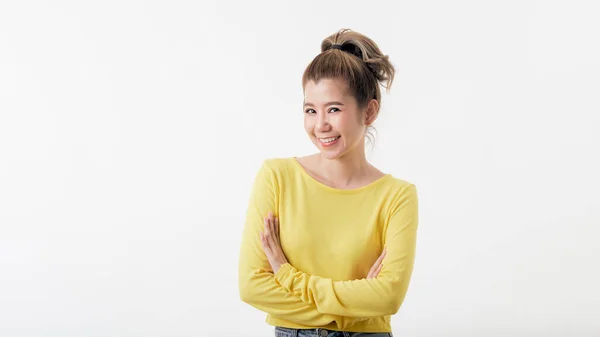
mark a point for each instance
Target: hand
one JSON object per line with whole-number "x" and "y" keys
{"x": 376, "y": 268}
{"x": 271, "y": 242}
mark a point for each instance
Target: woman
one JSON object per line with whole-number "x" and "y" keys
{"x": 329, "y": 240}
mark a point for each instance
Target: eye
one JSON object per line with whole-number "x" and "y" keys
{"x": 309, "y": 110}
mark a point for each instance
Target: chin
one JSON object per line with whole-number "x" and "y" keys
{"x": 331, "y": 153}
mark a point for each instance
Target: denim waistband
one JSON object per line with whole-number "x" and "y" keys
{"x": 320, "y": 332}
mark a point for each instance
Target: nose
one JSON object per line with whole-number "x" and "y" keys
{"x": 322, "y": 122}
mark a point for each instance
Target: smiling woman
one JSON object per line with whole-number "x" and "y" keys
{"x": 329, "y": 240}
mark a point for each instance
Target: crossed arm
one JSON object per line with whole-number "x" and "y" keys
{"x": 311, "y": 300}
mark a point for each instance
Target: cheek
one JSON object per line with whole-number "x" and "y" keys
{"x": 307, "y": 125}
{"x": 349, "y": 125}
{"x": 359, "y": 120}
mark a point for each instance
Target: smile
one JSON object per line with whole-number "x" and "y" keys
{"x": 329, "y": 141}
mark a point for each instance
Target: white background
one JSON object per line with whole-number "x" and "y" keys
{"x": 130, "y": 133}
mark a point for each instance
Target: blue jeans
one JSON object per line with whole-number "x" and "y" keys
{"x": 319, "y": 332}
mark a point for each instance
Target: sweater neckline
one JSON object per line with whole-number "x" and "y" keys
{"x": 305, "y": 173}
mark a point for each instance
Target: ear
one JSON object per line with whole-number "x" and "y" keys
{"x": 372, "y": 112}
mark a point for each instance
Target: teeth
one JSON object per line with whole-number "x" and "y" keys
{"x": 329, "y": 140}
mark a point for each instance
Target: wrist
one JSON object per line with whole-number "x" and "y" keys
{"x": 279, "y": 264}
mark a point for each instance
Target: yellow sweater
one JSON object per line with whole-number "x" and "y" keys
{"x": 331, "y": 238}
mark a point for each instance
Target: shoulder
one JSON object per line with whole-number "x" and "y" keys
{"x": 401, "y": 185}
{"x": 277, "y": 164}
{"x": 394, "y": 185}
{"x": 400, "y": 191}
{"x": 278, "y": 169}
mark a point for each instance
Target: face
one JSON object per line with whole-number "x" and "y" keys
{"x": 332, "y": 119}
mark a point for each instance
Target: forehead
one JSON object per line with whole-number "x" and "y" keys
{"x": 325, "y": 89}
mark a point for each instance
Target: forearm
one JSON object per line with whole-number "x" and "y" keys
{"x": 359, "y": 298}
{"x": 372, "y": 297}
{"x": 262, "y": 292}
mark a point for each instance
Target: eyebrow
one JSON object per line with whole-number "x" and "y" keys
{"x": 330, "y": 103}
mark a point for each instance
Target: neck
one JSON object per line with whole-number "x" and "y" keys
{"x": 345, "y": 170}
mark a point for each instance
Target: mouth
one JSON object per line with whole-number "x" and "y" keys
{"x": 329, "y": 140}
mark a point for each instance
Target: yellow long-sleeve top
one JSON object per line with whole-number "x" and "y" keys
{"x": 331, "y": 238}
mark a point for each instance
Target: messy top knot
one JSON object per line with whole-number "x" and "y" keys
{"x": 357, "y": 60}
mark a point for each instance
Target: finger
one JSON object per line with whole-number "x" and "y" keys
{"x": 380, "y": 259}
{"x": 268, "y": 249}
{"x": 372, "y": 270}
{"x": 378, "y": 262}
{"x": 370, "y": 275}
{"x": 378, "y": 270}
{"x": 267, "y": 229}
{"x": 270, "y": 219}
{"x": 273, "y": 226}
{"x": 263, "y": 241}
{"x": 271, "y": 223}
{"x": 270, "y": 237}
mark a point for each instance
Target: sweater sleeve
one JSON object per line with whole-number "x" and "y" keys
{"x": 379, "y": 296}
{"x": 257, "y": 285}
